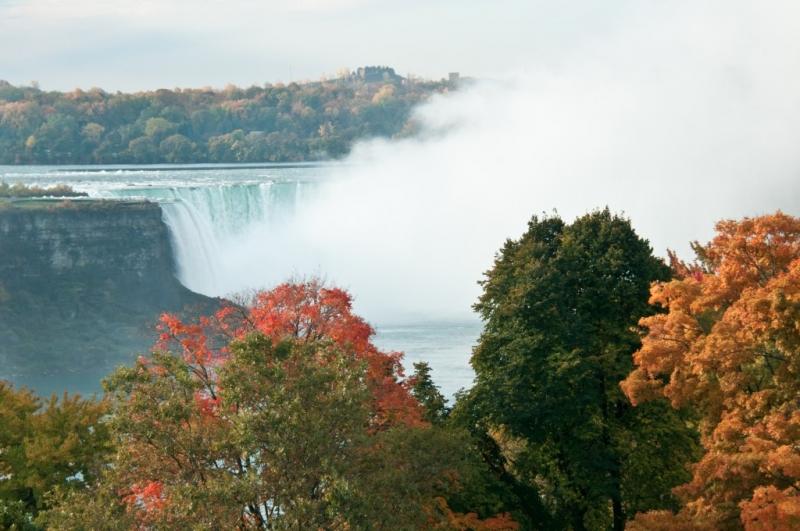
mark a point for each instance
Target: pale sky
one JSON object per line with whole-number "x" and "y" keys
{"x": 147, "y": 44}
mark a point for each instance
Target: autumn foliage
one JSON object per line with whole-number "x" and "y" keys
{"x": 729, "y": 346}
{"x": 306, "y": 312}
{"x": 278, "y": 414}
{"x": 451, "y": 520}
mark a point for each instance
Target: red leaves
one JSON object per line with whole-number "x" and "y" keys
{"x": 148, "y": 497}
{"x": 305, "y": 311}
{"x": 206, "y": 404}
{"x": 192, "y": 338}
{"x": 394, "y": 403}
{"x": 308, "y": 312}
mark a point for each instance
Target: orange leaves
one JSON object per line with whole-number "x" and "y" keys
{"x": 772, "y": 509}
{"x": 716, "y": 323}
{"x": 729, "y": 344}
{"x": 784, "y": 460}
{"x": 673, "y": 338}
{"x": 664, "y": 521}
{"x": 751, "y": 251}
{"x": 470, "y": 521}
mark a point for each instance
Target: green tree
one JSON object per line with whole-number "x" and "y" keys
{"x": 142, "y": 150}
{"x": 428, "y": 394}
{"x": 92, "y": 132}
{"x": 158, "y": 127}
{"x": 60, "y": 133}
{"x": 177, "y": 148}
{"x": 561, "y": 307}
{"x": 277, "y": 437}
{"x": 46, "y": 445}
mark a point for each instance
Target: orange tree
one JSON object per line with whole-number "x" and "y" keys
{"x": 729, "y": 345}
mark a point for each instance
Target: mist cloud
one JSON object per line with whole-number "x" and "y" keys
{"x": 687, "y": 117}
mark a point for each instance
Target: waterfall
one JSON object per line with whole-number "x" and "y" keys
{"x": 206, "y": 220}
{"x": 195, "y": 245}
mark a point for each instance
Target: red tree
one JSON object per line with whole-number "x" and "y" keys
{"x": 306, "y": 311}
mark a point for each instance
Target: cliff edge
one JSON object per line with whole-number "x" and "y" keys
{"x": 81, "y": 286}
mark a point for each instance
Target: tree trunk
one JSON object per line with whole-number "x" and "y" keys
{"x": 619, "y": 514}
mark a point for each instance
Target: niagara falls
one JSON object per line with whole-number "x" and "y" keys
{"x": 349, "y": 265}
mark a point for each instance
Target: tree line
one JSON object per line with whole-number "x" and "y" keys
{"x": 270, "y": 123}
{"x": 612, "y": 391}
{"x": 20, "y": 191}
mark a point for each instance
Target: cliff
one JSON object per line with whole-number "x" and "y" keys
{"x": 81, "y": 286}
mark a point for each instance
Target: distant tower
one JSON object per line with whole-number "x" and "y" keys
{"x": 453, "y": 78}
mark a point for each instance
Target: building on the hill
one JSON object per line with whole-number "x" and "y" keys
{"x": 377, "y": 74}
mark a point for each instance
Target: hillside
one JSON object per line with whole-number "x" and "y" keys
{"x": 271, "y": 123}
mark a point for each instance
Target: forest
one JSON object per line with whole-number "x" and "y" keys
{"x": 613, "y": 391}
{"x": 271, "y": 123}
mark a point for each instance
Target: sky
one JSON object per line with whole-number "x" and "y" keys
{"x": 146, "y": 44}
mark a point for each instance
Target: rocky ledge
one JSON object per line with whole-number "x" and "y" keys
{"x": 82, "y": 284}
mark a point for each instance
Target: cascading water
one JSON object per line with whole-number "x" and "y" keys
{"x": 195, "y": 245}
{"x": 237, "y": 229}
{"x": 205, "y": 220}
{"x": 208, "y": 211}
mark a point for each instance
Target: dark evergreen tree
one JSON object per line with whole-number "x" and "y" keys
{"x": 427, "y": 394}
{"x": 561, "y": 308}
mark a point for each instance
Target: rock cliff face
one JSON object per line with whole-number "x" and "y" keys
{"x": 81, "y": 286}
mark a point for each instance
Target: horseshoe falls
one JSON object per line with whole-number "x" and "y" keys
{"x": 238, "y": 229}
{"x": 207, "y": 222}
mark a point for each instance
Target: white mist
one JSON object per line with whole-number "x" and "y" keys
{"x": 689, "y": 116}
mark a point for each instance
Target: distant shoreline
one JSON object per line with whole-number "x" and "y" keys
{"x": 83, "y": 168}
{"x": 254, "y": 125}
